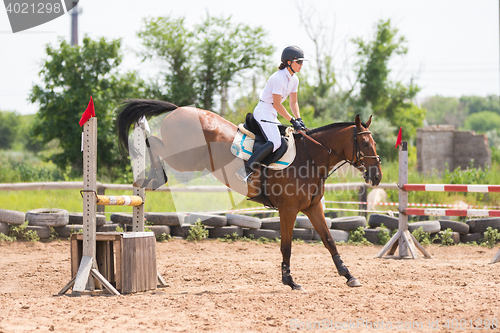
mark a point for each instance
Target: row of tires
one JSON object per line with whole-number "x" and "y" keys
{"x": 178, "y": 225}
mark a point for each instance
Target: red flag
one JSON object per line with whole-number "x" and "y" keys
{"x": 89, "y": 113}
{"x": 398, "y": 141}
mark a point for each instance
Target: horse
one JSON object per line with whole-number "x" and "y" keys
{"x": 193, "y": 139}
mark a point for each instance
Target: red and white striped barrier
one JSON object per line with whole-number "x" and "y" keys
{"x": 410, "y": 204}
{"x": 452, "y": 212}
{"x": 451, "y": 188}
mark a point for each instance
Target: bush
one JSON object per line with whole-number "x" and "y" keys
{"x": 384, "y": 235}
{"x": 491, "y": 237}
{"x": 20, "y": 232}
{"x": 163, "y": 238}
{"x": 446, "y": 238}
{"x": 197, "y": 232}
{"x": 422, "y": 237}
{"x": 358, "y": 237}
{"x": 5, "y": 238}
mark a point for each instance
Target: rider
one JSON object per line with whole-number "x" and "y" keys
{"x": 281, "y": 84}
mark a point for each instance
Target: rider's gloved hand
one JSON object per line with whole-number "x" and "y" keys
{"x": 301, "y": 122}
{"x": 298, "y": 124}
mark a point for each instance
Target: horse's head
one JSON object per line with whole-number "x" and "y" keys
{"x": 364, "y": 155}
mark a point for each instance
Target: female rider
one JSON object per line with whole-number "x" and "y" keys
{"x": 281, "y": 84}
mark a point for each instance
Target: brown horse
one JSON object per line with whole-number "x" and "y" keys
{"x": 195, "y": 140}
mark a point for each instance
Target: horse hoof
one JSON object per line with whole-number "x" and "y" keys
{"x": 298, "y": 288}
{"x": 141, "y": 183}
{"x": 353, "y": 282}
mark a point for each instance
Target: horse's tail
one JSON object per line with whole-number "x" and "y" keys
{"x": 131, "y": 111}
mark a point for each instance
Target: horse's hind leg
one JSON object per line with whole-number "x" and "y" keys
{"x": 287, "y": 221}
{"x": 157, "y": 176}
{"x": 317, "y": 218}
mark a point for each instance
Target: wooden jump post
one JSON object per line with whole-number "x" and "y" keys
{"x": 403, "y": 238}
{"x": 88, "y": 274}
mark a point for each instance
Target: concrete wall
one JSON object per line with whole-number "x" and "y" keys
{"x": 440, "y": 146}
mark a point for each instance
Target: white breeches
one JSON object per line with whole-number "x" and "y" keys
{"x": 264, "y": 112}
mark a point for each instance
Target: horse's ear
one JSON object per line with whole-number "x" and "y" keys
{"x": 357, "y": 121}
{"x": 369, "y": 122}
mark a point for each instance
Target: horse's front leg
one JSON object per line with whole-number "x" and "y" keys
{"x": 287, "y": 222}
{"x": 317, "y": 218}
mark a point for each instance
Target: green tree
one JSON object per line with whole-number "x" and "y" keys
{"x": 443, "y": 110}
{"x": 169, "y": 41}
{"x": 203, "y": 62}
{"x": 474, "y": 104}
{"x": 70, "y": 75}
{"x": 483, "y": 121}
{"x": 8, "y": 129}
{"x": 387, "y": 99}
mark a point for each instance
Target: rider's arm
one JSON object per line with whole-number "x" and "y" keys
{"x": 294, "y": 105}
{"x": 280, "y": 108}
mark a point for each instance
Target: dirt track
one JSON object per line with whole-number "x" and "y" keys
{"x": 236, "y": 287}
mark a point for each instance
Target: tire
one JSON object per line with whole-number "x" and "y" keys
{"x": 461, "y": 228}
{"x": 469, "y": 238}
{"x": 77, "y": 218}
{"x": 67, "y": 230}
{"x": 207, "y": 219}
{"x": 348, "y": 223}
{"x": 159, "y": 229}
{"x": 303, "y": 234}
{"x": 4, "y": 228}
{"x": 180, "y": 231}
{"x": 258, "y": 233}
{"x": 122, "y": 218}
{"x": 271, "y": 223}
{"x": 376, "y": 220}
{"x": 169, "y": 219}
{"x": 303, "y": 222}
{"x": 371, "y": 235}
{"x": 12, "y": 217}
{"x": 339, "y": 235}
{"x": 244, "y": 221}
{"x": 42, "y": 231}
{"x": 44, "y": 217}
{"x": 428, "y": 226}
{"x": 221, "y": 232}
{"x": 109, "y": 227}
{"x": 481, "y": 224}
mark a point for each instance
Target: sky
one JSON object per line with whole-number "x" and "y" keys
{"x": 453, "y": 45}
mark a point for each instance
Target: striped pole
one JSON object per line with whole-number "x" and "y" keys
{"x": 451, "y": 212}
{"x": 451, "y": 188}
{"x": 119, "y": 200}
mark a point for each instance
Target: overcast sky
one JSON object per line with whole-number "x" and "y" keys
{"x": 453, "y": 44}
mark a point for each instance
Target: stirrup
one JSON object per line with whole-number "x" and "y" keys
{"x": 243, "y": 176}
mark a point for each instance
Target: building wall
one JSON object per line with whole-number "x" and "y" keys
{"x": 442, "y": 146}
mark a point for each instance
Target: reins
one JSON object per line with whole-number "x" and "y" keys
{"x": 357, "y": 153}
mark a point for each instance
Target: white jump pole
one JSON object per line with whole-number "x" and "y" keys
{"x": 139, "y": 163}
{"x": 403, "y": 238}
{"x": 87, "y": 271}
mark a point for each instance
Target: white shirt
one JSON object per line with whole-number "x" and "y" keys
{"x": 280, "y": 83}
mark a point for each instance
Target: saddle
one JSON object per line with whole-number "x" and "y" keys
{"x": 250, "y": 137}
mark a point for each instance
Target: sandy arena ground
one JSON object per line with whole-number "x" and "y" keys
{"x": 236, "y": 287}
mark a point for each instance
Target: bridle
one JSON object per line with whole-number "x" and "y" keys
{"x": 357, "y": 153}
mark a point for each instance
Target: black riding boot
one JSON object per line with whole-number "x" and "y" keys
{"x": 254, "y": 161}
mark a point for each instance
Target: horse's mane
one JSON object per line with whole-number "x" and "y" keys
{"x": 331, "y": 126}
